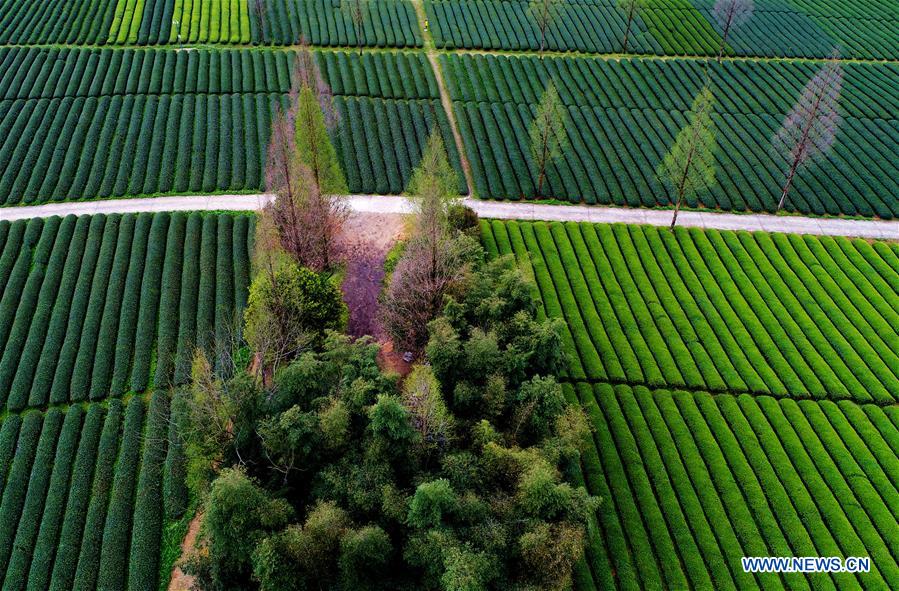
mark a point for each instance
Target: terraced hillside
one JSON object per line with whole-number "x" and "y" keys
{"x": 623, "y": 116}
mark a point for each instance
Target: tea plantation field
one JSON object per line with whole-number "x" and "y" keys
{"x": 775, "y": 314}
{"x": 743, "y": 387}
{"x": 623, "y": 116}
{"x": 804, "y": 462}
{"x": 388, "y": 23}
{"x": 778, "y": 28}
{"x": 89, "y": 123}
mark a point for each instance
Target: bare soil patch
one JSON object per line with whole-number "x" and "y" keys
{"x": 179, "y": 580}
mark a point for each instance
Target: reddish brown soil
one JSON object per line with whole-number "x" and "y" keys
{"x": 180, "y": 581}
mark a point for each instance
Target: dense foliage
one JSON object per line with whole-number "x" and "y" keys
{"x": 452, "y": 480}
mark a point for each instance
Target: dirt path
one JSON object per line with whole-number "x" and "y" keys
{"x": 431, "y": 52}
{"x": 180, "y": 581}
{"x": 369, "y": 237}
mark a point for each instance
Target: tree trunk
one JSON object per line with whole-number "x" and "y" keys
{"x": 788, "y": 184}
{"x": 724, "y": 41}
{"x": 676, "y": 211}
{"x": 542, "y": 40}
{"x": 542, "y": 176}
{"x": 627, "y": 28}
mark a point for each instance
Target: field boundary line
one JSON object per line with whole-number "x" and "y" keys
{"x": 503, "y": 210}
{"x": 444, "y": 51}
{"x": 431, "y": 52}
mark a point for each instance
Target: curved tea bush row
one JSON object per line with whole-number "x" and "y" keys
{"x": 671, "y": 27}
{"x": 692, "y": 482}
{"x": 98, "y": 327}
{"x": 741, "y": 86}
{"x": 72, "y": 72}
{"x": 388, "y": 23}
{"x": 613, "y": 154}
{"x": 763, "y": 313}
{"x": 85, "y": 481}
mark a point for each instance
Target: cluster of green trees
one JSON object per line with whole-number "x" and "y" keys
{"x": 318, "y": 470}
{"x": 347, "y": 479}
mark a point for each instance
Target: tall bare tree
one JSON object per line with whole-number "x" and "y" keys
{"x": 690, "y": 164}
{"x": 729, "y": 14}
{"x": 544, "y": 13}
{"x": 631, "y": 9}
{"x": 357, "y": 11}
{"x": 303, "y": 171}
{"x": 810, "y": 128}
{"x": 548, "y": 135}
{"x": 435, "y": 258}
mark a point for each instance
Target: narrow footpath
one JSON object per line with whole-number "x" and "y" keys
{"x": 503, "y": 210}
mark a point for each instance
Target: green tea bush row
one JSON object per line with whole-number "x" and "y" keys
{"x": 175, "y": 495}
{"x": 112, "y": 568}
{"x": 9, "y": 433}
{"x": 721, "y": 311}
{"x": 719, "y": 477}
{"x": 95, "y": 301}
{"x": 127, "y": 324}
{"x": 82, "y": 533}
{"x": 190, "y": 285}
{"x": 143, "y": 564}
{"x": 46, "y": 493}
{"x": 167, "y": 340}
{"x": 145, "y": 337}
{"x": 66, "y": 506}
